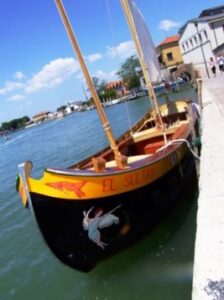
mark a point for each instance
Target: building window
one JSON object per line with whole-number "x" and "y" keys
{"x": 200, "y": 38}
{"x": 170, "y": 56}
{"x": 183, "y": 47}
{"x": 191, "y": 43}
{"x": 196, "y": 40}
{"x": 205, "y": 33}
{"x": 187, "y": 45}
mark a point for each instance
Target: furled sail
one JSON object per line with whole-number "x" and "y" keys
{"x": 147, "y": 50}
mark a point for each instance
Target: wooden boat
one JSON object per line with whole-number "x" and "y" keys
{"x": 103, "y": 204}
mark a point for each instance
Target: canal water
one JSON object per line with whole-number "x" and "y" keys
{"x": 157, "y": 268}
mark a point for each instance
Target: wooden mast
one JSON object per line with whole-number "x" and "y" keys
{"x": 120, "y": 160}
{"x": 144, "y": 67}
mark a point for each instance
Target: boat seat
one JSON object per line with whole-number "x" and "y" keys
{"x": 150, "y": 133}
{"x": 131, "y": 159}
{"x": 154, "y": 132}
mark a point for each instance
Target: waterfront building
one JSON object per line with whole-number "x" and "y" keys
{"x": 40, "y": 117}
{"x": 72, "y": 107}
{"x": 169, "y": 56}
{"x": 119, "y": 88}
{"x": 202, "y": 38}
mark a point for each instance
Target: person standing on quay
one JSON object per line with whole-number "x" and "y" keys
{"x": 212, "y": 66}
{"x": 220, "y": 60}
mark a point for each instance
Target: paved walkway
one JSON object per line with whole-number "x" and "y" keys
{"x": 208, "y": 278}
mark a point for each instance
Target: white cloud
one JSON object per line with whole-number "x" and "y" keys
{"x": 167, "y": 25}
{"x": 94, "y": 57}
{"x": 16, "y": 98}
{"x": 52, "y": 74}
{"x": 19, "y": 75}
{"x": 10, "y": 86}
{"x": 106, "y": 76}
{"x": 80, "y": 76}
{"x": 123, "y": 50}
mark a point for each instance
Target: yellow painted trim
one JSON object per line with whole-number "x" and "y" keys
{"x": 88, "y": 187}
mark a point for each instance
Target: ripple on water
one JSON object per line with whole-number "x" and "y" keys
{"x": 27, "y": 268}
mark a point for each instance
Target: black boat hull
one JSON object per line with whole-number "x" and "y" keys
{"x": 130, "y": 216}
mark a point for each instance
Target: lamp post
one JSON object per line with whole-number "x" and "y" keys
{"x": 203, "y": 54}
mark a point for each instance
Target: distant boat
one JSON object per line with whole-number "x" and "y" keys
{"x": 101, "y": 205}
{"x": 60, "y": 114}
{"x": 5, "y": 134}
{"x": 6, "y": 137}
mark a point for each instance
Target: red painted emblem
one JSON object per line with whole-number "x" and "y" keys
{"x": 63, "y": 186}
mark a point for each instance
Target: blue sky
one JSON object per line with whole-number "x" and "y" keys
{"x": 38, "y": 68}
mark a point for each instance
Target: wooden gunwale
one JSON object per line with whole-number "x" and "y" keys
{"x": 126, "y": 138}
{"x": 145, "y": 162}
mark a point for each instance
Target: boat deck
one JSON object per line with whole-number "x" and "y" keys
{"x": 151, "y": 151}
{"x": 152, "y": 132}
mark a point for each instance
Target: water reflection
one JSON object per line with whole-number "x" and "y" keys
{"x": 159, "y": 267}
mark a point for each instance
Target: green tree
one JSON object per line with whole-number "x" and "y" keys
{"x": 96, "y": 83}
{"x": 61, "y": 108}
{"x": 100, "y": 85}
{"x": 133, "y": 82}
{"x": 109, "y": 94}
{"x": 128, "y": 70}
{"x": 25, "y": 120}
{"x": 14, "y": 124}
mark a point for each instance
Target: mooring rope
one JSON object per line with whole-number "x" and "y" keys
{"x": 178, "y": 141}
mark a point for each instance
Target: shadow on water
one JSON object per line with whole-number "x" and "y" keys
{"x": 158, "y": 267}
